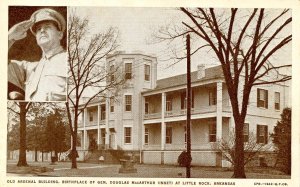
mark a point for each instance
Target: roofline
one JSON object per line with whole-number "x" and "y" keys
{"x": 177, "y": 87}
{"x": 118, "y": 54}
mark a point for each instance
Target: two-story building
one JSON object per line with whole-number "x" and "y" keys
{"x": 148, "y": 116}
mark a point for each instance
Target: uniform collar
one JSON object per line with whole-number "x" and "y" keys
{"x": 53, "y": 52}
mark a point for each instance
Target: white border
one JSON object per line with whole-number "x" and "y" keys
{"x": 294, "y": 4}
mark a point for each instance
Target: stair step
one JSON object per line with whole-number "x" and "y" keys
{"x": 93, "y": 157}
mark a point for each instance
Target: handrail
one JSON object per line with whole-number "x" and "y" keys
{"x": 64, "y": 155}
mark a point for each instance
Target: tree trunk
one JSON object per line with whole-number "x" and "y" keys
{"x": 74, "y": 151}
{"x": 35, "y": 154}
{"x": 22, "y": 155}
{"x": 239, "y": 170}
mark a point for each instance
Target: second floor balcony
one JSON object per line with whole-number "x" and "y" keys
{"x": 205, "y": 99}
{"x": 182, "y": 112}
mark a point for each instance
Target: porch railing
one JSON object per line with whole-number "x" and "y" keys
{"x": 151, "y": 147}
{"x": 64, "y": 155}
{"x": 200, "y": 145}
{"x": 226, "y": 108}
{"x": 152, "y": 116}
{"x": 91, "y": 123}
{"x": 199, "y": 110}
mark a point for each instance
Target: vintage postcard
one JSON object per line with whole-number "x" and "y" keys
{"x": 150, "y": 94}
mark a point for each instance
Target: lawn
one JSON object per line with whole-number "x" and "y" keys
{"x": 62, "y": 169}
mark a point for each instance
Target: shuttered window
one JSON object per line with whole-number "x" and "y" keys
{"x": 168, "y": 135}
{"x": 262, "y": 98}
{"x": 184, "y": 99}
{"x": 128, "y": 102}
{"x": 146, "y": 136}
{"x": 277, "y": 101}
{"x": 246, "y": 132}
{"x": 128, "y": 71}
{"x": 212, "y": 132}
{"x": 262, "y": 134}
{"x": 127, "y": 135}
{"x": 147, "y": 72}
{"x": 212, "y": 97}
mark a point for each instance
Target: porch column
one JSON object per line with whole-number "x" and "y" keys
{"x": 107, "y": 104}
{"x": 81, "y": 138}
{"x": 143, "y": 125}
{"x": 163, "y": 124}
{"x": 231, "y": 123}
{"x": 98, "y": 125}
{"x": 143, "y": 136}
{"x": 219, "y": 109}
{"x": 84, "y": 129}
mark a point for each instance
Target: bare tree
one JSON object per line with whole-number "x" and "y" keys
{"x": 227, "y": 147}
{"x": 21, "y": 109}
{"x": 243, "y": 42}
{"x": 87, "y": 69}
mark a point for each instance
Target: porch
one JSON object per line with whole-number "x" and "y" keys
{"x": 207, "y": 101}
{"x": 204, "y": 133}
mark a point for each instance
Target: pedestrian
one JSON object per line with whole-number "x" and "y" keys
{"x": 45, "y": 80}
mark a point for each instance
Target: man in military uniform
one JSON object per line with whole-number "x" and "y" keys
{"x": 44, "y": 80}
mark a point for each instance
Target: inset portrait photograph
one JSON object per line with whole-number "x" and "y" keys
{"x": 37, "y": 58}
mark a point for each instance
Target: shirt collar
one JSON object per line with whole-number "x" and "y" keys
{"x": 53, "y": 52}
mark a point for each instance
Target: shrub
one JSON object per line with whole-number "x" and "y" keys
{"x": 183, "y": 159}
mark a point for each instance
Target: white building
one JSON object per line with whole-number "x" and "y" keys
{"x": 148, "y": 116}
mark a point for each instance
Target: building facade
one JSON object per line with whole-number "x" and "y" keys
{"x": 148, "y": 116}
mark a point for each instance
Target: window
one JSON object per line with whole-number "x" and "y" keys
{"x": 277, "y": 101}
{"x": 112, "y": 104}
{"x": 169, "y": 102}
{"x": 127, "y": 135}
{"x": 147, "y": 72}
{"x": 112, "y": 73}
{"x": 212, "y": 97}
{"x": 184, "y": 100}
{"x": 128, "y": 71}
{"x": 103, "y": 136}
{"x": 246, "y": 132}
{"x": 146, "y": 136}
{"x": 168, "y": 105}
{"x": 262, "y": 134}
{"x": 78, "y": 142}
{"x": 146, "y": 108}
{"x": 91, "y": 117}
{"x": 168, "y": 135}
{"x": 262, "y": 98}
{"x": 128, "y": 100}
{"x": 103, "y": 115}
{"x": 212, "y": 132}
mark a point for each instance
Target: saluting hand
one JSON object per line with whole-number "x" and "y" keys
{"x": 19, "y": 31}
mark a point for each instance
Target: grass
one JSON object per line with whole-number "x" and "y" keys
{"x": 62, "y": 169}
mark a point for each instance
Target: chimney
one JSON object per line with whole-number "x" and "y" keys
{"x": 200, "y": 71}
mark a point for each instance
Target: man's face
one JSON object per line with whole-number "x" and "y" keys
{"x": 47, "y": 34}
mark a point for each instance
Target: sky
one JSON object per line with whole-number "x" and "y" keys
{"x": 136, "y": 26}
